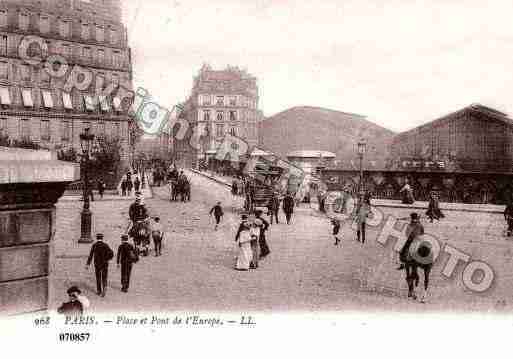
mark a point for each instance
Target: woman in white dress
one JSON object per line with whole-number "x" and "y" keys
{"x": 243, "y": 240}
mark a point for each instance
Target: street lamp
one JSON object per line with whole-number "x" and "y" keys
{"x": 362, "y": 147}
{"x": 86, "y": 142}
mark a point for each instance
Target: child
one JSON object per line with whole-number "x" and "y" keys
{"x": 157, "y": 234}
{"x": 336, "y": 229}
{"x": 218, "y": 213}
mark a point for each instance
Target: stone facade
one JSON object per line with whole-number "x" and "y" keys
{"x": 33, "y": 104}
{"x": 221, "y": 102}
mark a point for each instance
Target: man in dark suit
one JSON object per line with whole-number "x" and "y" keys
{"x": 288, "y": 207}
{"x": 126, "y": 257}
{"x": 102, "y": 255}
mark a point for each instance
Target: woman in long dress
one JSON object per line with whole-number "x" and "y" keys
{"x": 243, "y": 240}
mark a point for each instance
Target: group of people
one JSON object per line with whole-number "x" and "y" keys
{"x": 128, "y": 184}
{"x": 287, "y": 205}
{"x": 251, "y": 241}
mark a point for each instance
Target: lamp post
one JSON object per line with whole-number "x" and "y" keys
{"x": 86, "y": 141}
{"x": 362, "y": 147}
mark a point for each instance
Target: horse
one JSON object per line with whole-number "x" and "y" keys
{"x": 419, "y": 255}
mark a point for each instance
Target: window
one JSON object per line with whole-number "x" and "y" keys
{"x": 66, "y": 51}
{"x": 115, "y": 79}
{"x": 116, "y": 102}
{"x": 206, "y": 100}
{"x": 100, "y": 34}
{"x": 101, "y": 128}
{"x": 220, "y": 100}
{"x": 233, "y": 101}
{"x": 3, "y": 17}
{"x": 89, "y": 103}
{"x": 85, "y": 31}
{"x": 5, "y": 96}
{"x": 4, "y": 71}
{"x": 87, "y": 54}
{"x": 26, "y": 95}
{"x": 25, "y": 72}
{"x": 64, "y": 26}
{"x": 219, "y": 130}
{"x": 233, "y": 115}
{"x": 44, "y": 24}
{"x": 117, "y": 130}
{"x": 219, "y": 115}
{"x": 45, "y": 130}
{"x": 3, "y": 125}
{"x": 65, "y": 130}
{"x": 101, "y": 56}
{"x": 24, "y": 21}
{"x": 3, "y": 45}
{"x": 47, "y": 99}
{"x": 66, "y": 101}
{"x": 25, "y": 129}
{"x": 206, "y": 115}
{"x": 44, "y": 78}
{"x": 104, "y": 103}
{"x": 113, "y": 36}
{"x": 117, "y": 59}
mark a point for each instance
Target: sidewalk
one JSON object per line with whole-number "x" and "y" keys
{"x": 419, "y": 205}
{"x": 110, "y": 196}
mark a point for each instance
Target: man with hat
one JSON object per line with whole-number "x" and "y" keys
{"x": 127, "y": 255}
{"x": 74, "y": 307}
{"x": 414, "y": 229}
{"x": 102, "y": 254}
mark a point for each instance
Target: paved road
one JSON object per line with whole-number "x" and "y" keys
{"x": 305, "y": 271}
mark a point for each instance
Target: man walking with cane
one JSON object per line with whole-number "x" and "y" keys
{"x": 102, "y": 254}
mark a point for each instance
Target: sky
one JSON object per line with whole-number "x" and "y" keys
{"x": 399, "y": 63}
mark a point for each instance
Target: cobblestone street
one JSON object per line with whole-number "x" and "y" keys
{"x": 305, "y": 271}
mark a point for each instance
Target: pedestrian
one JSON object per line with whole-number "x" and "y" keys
{"x": 508, "y": 217}
{"x": 129, "y": 186}
{"x": 407, "y": 192}
{"x": 137, "y": 184}
{"x": 101, "y": 188}
{"x": 336, "y": 229}
{"x": 217, "y": 211}
{"x": 102, "y": 254}
{"x": 273, "y": 208}
{"x": 123, "y": 187}
{"x": 254, "y": 231}
{"x": 434, "y": 211}
{"x": 157, "y": 233}
{"x": 76, "y": 305}
{"x": 234, "y": 187}
{"x": 90, "y": 190}
{"x": 413, "y": 230}
{"x": 243, "y": 239}
{"x": 126, "y": 257}
{"x": 360, "y": 215}
{"x": 288, "y": 207}
{"x": 264, "y": 247}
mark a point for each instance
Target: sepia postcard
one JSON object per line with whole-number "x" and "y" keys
{"x": 236, "y": 178}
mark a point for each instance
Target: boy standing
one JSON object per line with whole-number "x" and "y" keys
{"x": 336, "y": 229}
{"x": 157, "y": 233}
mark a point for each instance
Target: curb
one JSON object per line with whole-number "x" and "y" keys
{"x": 210, "y": 177}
